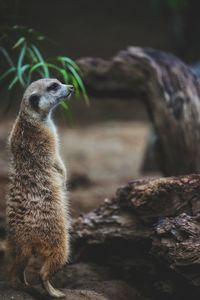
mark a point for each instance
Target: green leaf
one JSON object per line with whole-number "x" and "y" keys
{"x": 69, "y": 61}
{"x": 19, "y": 27}
{"x": 67, "y": 112}
{"x": 40, "y": 59}
{"x": 58, "y": 69}
{"x": 7, "y": 72}
{"x": 41, "y": 38}
{"x": 80, "y": 83}
{"x": 65, "y": 75}
{"x": 32, "y": 54}
{"x": 13, "y": 82}
{"x": 19, "y": 42}
{"x": 7, "y": 56}
{"x": 30, "y": 61}
{"x": 76, "y": 86}
{"x": 33, "y": 59}
{"x": 24, "y": 68}
{"x": 61, "y": 71}
{"x": 19, "y": 65}
{"x": 175, "y": 5}
{"x": 65, "y": 106}
{"x": 35, "y": 68}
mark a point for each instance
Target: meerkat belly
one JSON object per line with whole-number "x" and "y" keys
{"x": 40, "y": 212}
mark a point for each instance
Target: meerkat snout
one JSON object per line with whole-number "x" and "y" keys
{"x": 71, "y": 88}
{"x": 43, "y": 95}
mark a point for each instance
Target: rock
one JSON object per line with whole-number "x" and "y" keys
{"x": 79, "y": 281}
{"x": 7, "y": 293}
{"x": 83, "y": 295}
{"x": 96, "y": 278}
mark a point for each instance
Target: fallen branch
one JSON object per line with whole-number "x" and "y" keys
{"x": 148, "y": 235}
{"x": 171, "y": 92}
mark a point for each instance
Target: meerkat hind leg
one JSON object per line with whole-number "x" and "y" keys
{"x": 51, "y": 290}
{"x": 18, "y": 269}
{"x": 24, "y": 280}
{"x": 52, "y": 264}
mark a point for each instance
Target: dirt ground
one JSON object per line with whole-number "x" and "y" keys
{"x": 103, "y": 150}
{"x": 105, "y": 156}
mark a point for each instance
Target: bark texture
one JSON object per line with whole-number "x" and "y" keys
{"x": 148, "y": 235}
{"x": 171, "y": 92}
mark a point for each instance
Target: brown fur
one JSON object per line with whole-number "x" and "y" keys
{"x": 36, "y": 206}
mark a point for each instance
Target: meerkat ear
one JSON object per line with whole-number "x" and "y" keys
{"x": 34, "y": 101}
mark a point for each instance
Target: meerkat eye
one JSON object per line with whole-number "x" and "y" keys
{"x": 34, "y": 101}
{"x": 53, "y": 87}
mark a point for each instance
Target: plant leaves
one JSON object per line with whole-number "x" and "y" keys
{"x": 19, "y": 42}
{"x": 67, "y": 112}
{"x": 13, "y": 82}
{"x": 69, "y": 61}
{"x": 32, "y": 54}
{"x": 80, "y": 83}
{"x": 7, "y": 56}
{"x": 40, "y": 59}
{"x": 31, "y": 61}
{"x": 58, "y": 69}
{"x": 19, "y": 65}
{"x": 24, "y": 68}
{"x": 76, "y": 86}
{"x": 7, "y": 72}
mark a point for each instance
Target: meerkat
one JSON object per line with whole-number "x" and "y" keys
{"x": 37, "y": 213}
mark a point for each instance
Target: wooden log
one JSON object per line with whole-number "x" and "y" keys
{"x": 148, "y": 235}
{"x": 171, "y": 92}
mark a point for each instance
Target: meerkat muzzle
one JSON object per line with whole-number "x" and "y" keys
{"x": 70, "y": 88}
{"x": 65, "y": 93}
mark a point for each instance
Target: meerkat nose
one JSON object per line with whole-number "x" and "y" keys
{"x": 71, "y": 88}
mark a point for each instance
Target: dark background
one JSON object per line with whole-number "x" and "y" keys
{"x": 101, "y": 28}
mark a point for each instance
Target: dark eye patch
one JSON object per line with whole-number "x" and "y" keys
{"x": 34, "y": 101}
{"x": 53, "y": 87}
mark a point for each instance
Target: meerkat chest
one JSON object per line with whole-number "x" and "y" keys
{"x": 50, "y": 124}
{"x": 58, "y": 163}
{"x": 53, "y": 130}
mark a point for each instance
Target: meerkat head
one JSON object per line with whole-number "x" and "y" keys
{"x": 43, "y": 95}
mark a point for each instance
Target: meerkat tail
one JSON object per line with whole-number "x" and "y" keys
{"x": 52, "y": 291}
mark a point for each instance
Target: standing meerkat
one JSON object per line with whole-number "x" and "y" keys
{"x": 37, "y": 214}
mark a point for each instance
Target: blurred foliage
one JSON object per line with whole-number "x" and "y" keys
{"x": 177, "y": 4}
{"x": 23, "y": 57}
{"x": 23, "y": 62}
{"x": 174, "y": 5}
